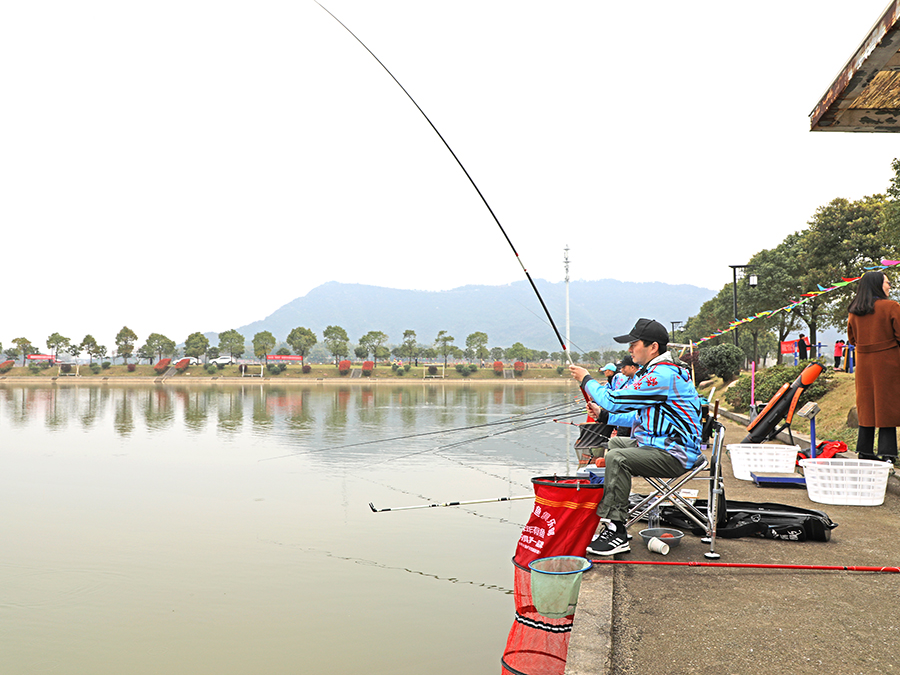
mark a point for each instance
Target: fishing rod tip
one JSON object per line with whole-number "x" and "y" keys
{"x": 372, "y": 506}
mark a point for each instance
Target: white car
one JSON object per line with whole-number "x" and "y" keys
{"x": 222, "y": 360}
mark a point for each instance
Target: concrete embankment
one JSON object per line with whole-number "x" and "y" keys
{"x": 639, "y": 619}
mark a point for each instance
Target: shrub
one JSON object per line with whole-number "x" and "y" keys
{"x": 722, "y": 360}
{"x": 95, "y": 368}
{"x": 344, "y": 367}
{"x": 519, "y": 368}
{"x": 105, "y": 365}
{"x": 432, "y": 370}
{"x": 273, "y": 368}
{"x": 211, "y": 368}
{"x": 131, "y": 368}
{"x": 182, "y": 365}
{"x": 400, "y": 372}
{"x": 461, "y": 367}
{"x": 769, "y": 381}
{"x": 6, "y": 366}
{"x": 407, "y": 367}
{"x": 65, "y": 367}
{"x": 367, "y": 368}
{"x": 162, "y": 365}
{"x": 693, "y": 360}
{"x": 394, "y": 367}
{"x": 560, "y": 369}
{"x": 307, "y": 369}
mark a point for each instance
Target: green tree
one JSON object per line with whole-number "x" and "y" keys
{"x": 24, "y": 347}
{"x": 89, "y": 345}
{"x": 160, "y": 345}
{"x": 497, "y": 353}
{"x": 336, "y": 341}
{"x": 373, "y": 343}
{"x": 232, "y": 342}
{"x": 263, "y": 343}
{"x": 518, "y": 352}
{"x": 443, "y": 343}
{"x": 409, "y": 349}
{"x": 74, "y": 350}
{"x": 301, "y": 341}
{"x": 892, "y": 208}
{"x": 477, "y": 343}
{"x": 125, "y": 340}
{"x": 12, "y": 353}
{"x": 145, "y": 352}
{"x": 196, "y": 345}
{"x": 57, "y": 342}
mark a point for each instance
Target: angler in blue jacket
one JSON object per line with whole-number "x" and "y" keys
{"x": 664, "y": 408}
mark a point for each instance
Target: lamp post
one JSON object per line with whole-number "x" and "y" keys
{"x": 675, "y": 325}
{"x": 753, "y": 279}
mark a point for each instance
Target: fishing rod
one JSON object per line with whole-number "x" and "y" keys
{"x": 490, "y": 210}
{"x": 839, "y": 568}
{"x": 431, "y": 506}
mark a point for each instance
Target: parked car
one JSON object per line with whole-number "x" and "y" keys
{"x": 222, "y": 360}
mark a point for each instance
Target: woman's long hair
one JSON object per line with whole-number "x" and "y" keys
{"x": 870, "y": 289}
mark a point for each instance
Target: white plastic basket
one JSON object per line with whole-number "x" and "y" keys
{"x": 852, "y": 482}
{"x": 747, "y": 457}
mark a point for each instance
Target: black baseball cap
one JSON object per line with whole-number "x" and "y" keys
{"x": 648, "y": 330}
{"x": 627, "y": 361}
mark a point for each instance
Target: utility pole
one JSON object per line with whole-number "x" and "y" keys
{"x": 566, "y": 261}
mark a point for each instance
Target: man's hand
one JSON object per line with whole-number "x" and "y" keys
{"x": 594, "y": 410}
{"x": 578, "y": 373}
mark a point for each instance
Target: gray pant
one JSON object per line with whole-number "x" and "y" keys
{"x": 625, "y": 459}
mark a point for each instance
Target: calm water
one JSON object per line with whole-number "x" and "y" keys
{"x": 150, "y": 529}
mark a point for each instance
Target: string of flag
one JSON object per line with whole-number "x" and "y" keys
{"x": 805, "y": 297}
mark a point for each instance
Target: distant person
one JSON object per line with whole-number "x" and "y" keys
{"x": 838, "y": 353}
{"x": 873, "y": 327}
{"x": 662, "y": 406}
{"x": 803, "y": 347}
{"x": 609, "y": 372}
{"x": 627, "y": 368}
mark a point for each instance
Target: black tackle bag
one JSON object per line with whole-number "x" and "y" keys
{"x": 749, "y": 519}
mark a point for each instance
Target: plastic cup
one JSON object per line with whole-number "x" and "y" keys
{"x": 657, "y": 545}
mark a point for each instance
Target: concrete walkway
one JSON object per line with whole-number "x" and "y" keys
{"x": 647, "y": 619}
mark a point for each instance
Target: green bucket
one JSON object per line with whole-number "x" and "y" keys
{"x": 555, "y": 583}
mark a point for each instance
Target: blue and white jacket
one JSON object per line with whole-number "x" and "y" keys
{"x": 660, "y": 403}
{"x": 620, "y": 380}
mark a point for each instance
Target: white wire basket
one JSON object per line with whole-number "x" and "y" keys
{"x": 747, "y": 457}
{"x": 850, "y": 482}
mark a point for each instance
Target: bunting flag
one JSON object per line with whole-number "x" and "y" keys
{"x": 806, "y": 298}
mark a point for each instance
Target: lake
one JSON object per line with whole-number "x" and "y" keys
{"x": 227, "y": 529}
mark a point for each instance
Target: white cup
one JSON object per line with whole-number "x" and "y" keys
{"x": 657, "y": 545}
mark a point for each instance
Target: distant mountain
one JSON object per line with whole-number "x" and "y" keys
{"x": 599, "y": 310}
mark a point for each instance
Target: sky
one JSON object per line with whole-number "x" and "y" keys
{"x": 195, "y": 165}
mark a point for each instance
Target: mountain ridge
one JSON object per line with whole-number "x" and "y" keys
{"x": 510, "y": 313}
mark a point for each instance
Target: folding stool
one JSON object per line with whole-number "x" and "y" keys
{"x": 668, "y": 489}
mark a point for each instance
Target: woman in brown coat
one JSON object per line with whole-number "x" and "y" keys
{"x": 874, "y": 328}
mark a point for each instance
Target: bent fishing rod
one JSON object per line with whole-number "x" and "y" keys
{"x": 490, "y": 210}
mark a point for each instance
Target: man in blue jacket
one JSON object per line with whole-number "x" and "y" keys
{"x": 663, "y": 407}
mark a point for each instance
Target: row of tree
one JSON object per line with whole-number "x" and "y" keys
{"x": 840, "y": 241}
{"x": 300, "y": 341}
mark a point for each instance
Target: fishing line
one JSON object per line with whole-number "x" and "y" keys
{"x": 514, "y": 419}
{"x": 841, "y": 568}
{"x": 490, "y": 210}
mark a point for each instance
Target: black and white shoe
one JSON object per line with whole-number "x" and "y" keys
{"x": 613, "y": 539}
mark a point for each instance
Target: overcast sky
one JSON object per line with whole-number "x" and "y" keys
{"x": 193, "y": 165}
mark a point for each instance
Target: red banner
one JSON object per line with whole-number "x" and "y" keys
{"x": 39, "y": 357}
{"x": 789, "y": 347}
{"x": 283, "y": 357}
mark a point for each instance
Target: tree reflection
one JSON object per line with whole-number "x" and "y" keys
{"x": 123, "y": 416}
{"x": 158, "y": 410}
{"x": 230, "y": 410}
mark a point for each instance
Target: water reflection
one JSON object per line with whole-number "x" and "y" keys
{"x": 173, "y": 509}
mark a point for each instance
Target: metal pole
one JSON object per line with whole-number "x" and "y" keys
{"x": 734, "y": 269}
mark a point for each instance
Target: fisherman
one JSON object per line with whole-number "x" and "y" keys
{"x": 609, "y": 371}
{"x": 662, "y": 406}
{"x": 627, "y": 369}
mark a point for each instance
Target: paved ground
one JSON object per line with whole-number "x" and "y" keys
{"x": 658, "y": 619}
